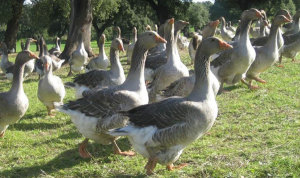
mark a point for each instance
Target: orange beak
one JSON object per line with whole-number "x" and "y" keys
{"x": 46, "y": 66}
{"x": 171, "y": 21}
{"x": 224, "y": 45}
{"x": 33, "y": 55}
{"x": 121, "y": 48}
{"x": 258, "y": 14}
{"x": 159, "y": 39}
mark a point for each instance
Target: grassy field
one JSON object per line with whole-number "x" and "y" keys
{"x": 257, "y": 134}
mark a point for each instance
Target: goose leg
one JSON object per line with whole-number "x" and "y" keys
{"x": 70, "y": 72}
{"x": 221, "y": 89}
{"x": 280, "y": 60}
{"x": 244, "y": 82}
{"x": 50, "y": 112}
{"x": 82, "y": 149}
{"x": 259, "y": 80}
{"x": 151, "y": 164}
{"x": 2, "y": 134}
{"x": 171, "y": 167}
{"x": 119, "y": 152}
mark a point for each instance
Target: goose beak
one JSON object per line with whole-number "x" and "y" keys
{"x": 224, "y": 45}
{"x": 32, "y": 55}
{"x": 121, "y": 48}
{"x": 46, "y": 66}
{"x": 159, "y": 39}
{"x": 171, "y": 21}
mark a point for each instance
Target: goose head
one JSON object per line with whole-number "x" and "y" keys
{"x": 25, "y": 56}
{"x": 251, "y": 14}
{"x": 180, "y": 24}
{"x": 155, "y": 28}
{"x": 150, "y": 39}
{"x": 148, "y": 28}
{"x": 118, "y": 31}
{"x": 222, "y": 19}
{"x": 47, "y": 62}
{"x": 214, "y": 24}
{"x": 280, "y": 19}
{"x": 213, "y": 45}
{"x": 102, "y": 39}
{"x": 285, "y": 13}
{"x": 117, "y": 44}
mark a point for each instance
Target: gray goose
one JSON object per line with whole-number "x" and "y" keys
{"x": 227, "y": 35}
{"x": 131, "y": 45}
{"x": 14, "y": 103}
{"x": 101, "y": 61}
{"x": 79, "y": 57}
{"x": 56, "y": 50}
{"x": 208, "y": 31}
{"x": 172, "y": 70}
{"x": 154, "y": 61}
{"x": 160, "y": 131}
{"x": 96, "y": 79}
{"x": 56, "y": 61}
{"x": 96, "y": 112}
{"x": 265, "y": 55}
{"x": 231, "y": 65}
{"x": 296, "y": 24}
{"x": 5, "y": 63}
{"x": 51, "y": 89}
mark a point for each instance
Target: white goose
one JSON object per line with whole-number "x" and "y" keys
{"x": 131, "y": 45}
{"x": 96, "y": 112}
{"x": 160, "y": 131}
{"x": 79, "y": 57}
{"x": 51, "y": 89}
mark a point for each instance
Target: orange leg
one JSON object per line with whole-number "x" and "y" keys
{"x": 250, "y": 86}
{"x": 259, "y": 80}
{"x": 119, "y": 152}
{"x": 50, "y": 112}
{"x": 82, "y": 149}
{"x": 151, "y": 164}
{"x": 171, "y": 167}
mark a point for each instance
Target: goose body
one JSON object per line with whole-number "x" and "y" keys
{"x": 5, "y": 63}
{"x": 96, "y": 79}
{"x": 55, "y": 50}
{"x": 97, "y": 110}
{"x": 160, "y": 131}
{"x": 101, "y": 61}
{"x": 14, "y": 103}
{"x": 51, "y": 89}
{"x": 231, "y": 65}
{"x": 227, "y": 35}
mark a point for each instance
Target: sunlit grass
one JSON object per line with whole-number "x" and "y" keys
{"x": 256, "y": 135}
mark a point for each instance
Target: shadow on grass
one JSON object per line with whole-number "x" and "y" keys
{"x": 32, "y": 126}
{"x": 66, "y": 159}
{"x": 233, "y": 87}
{"x": 70, "y": 135}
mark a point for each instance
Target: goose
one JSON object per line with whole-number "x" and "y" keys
{"x": 182, "y": 42}
{"x": 295, "y": 25}
{"x": 131, "y": 45}
{"x": 96, "y": 112}
{"x": 14, "y": 103}
{"x": 118, "y": 35}
{"x": 231, "y": 65}
{"x": 5, "y": 63}
{"x": 102, "y": 78}
{"x": 264, "y": 30}
{"x": 265, "y": 55}
{"x": 160, "y": 131}
{"x": 100, "y": 62}
{"x": 56, "y": 50}
{"x": 227, "y": 35}
{"x": 22, "y": 45}
{"x": 154, "y": 61}
{"x": 51, "y": 89}
{"x": 29, "y": 66}
{"x": 231, "y": 28}
{"x": 208, "y": 31}
{"x": 79, "y": 57}
{"x": 172, "y": 70}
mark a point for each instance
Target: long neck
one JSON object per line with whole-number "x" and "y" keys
{"x": 101, "y": 48}
{"x": 223, "y": 24}
{"x": 27, "y": 45}
{"x": 48, "y": 72}
{"x": 202, "y": 88}
{"x": 170, "y": 47}
{"x": 272, "y": 39}
{"x": 116, "y": 66}
{"x": 41, "y": 53}
{"x": 81, "y": 44}
{"x": 244, "y": 31}
{"x": 57, "y": 44}
{"x": 134, "y": 36}
{"x": 135, "y": 76}
{"x": 17, "y": 83}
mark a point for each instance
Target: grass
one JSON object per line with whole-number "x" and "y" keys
{"x": 256, "y": 134}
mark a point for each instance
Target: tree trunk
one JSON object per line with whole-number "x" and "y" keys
{"x": 81, "y": 18}
{"x": 10, "y": 36}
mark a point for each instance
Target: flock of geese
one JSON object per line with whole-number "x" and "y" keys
{"x": 161, "y": 106}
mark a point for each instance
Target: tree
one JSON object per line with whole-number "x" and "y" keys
{"x": 10, "y": 13}
{"x": 198, "y": 15}
{"x": 81, "y": 19}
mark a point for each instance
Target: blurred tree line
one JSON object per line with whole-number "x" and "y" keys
{"x": 51, "y": 18}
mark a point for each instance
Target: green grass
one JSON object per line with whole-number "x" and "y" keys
{"x": 257, "y": 134}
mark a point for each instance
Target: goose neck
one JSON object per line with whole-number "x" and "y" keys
{"x": 101, "y": 48}
{"x": 272, "y": 40}
{"x": 27, "y": 45}
{"x": 17, "y": 83}
{"x": 135, "y": 78}
{"x": 202, "y": 87}
{"x": 115, "y": 61}
{"x": 244, "y": 30}
{"x": 57, "y": 45}
{"x": 134, "y": 36}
